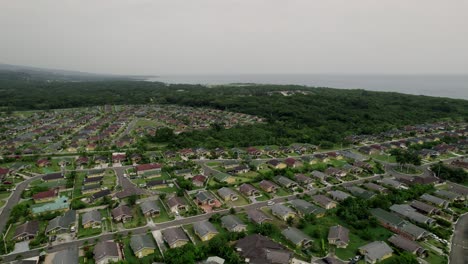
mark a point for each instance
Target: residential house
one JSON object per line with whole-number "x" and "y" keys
{"x": 224, "y": 177}
{"x": 352, "y": 169}
{"x": 424, "y": 207}
{"x": 292, "y": 163}
{"x": 324, "y": 201}
{"x": 286, "y": 182}
{"x": 268, "y": 186}
{"x": 360, "y": 192}
{"x": 198, "y": 180}
{"x": 99, "y": 195}
{"x": 91, "y": 188}
{"x": 376, "y": 251}
{"x": 176, "y": 204}
{"x": 150, "y": 208}
{"x": 175, "y": 237}
{"x": 434, "y": 200}
{"x": 258, "y": 249}
{"x": 47, "y": 196}
{"x": 303, "y": 180}
{"x": 248, "y": 190}
{"x": 410, "y": 213}
{"x": 150, "y": 170}
{"x": 398, "y": 225}
{"x": 66, "y": 256}
{"x": 319, "y": 175}
{"x": 157, "y": 184}
{"x": 4, "y": 172}
{"x": 297, "y": 237}
{"x": 239, "y": 169}
{"x": 62, "y": 224}
{"x": 233, "y": 224}
{"x": 339, "y": 195}
{"x": 305, "y": 208}
{"x": 257, "y": 216}
{"x": 106, "y": 252}
{"x": 43, "y": 163}
{"x": 282, "y": 211}
{"x": 392, "y": 183}
{"x": 122, "y": 213}
{"x": 204, "y": 230}
{"x": 205, "y": 198}
{"x": 331, "y": 171}
{"x": 375, "y": 187}
{"x": 26, "y": 231}
{"x": 339, "y": 236}
{"x": 276, "y": 164}
{"x": 96, "y": 173}
{"x": 91, "y": 219}
{"x": 407, "y": 245}
{"x": 228, "y": 194}
{"x": 53, "y": 177}
{"x": 142, "y": 245}
{"x": 451, "y": 196}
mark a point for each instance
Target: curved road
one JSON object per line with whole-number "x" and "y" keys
{"x": 459, "y": 252}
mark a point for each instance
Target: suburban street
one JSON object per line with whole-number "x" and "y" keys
{"x": 459, "y": 252}
{"x": 161, "y": 226}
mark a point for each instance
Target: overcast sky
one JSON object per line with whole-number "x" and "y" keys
{"x": 227, "y": 36}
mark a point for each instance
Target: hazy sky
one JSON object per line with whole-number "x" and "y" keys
{"x": 228, "y": 36}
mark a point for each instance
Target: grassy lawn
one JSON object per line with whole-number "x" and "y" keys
{"x": 130, "y": 256}
{"x": 332, "y": 180}
{"x": 138, "y": 181}
{"x": 53, "y": 184}
{"x": 4, "y": 195}
{"x": 2, "y": 203}
{"x": 109, "y": 179}
{"x": 137, "y": 220}
{"x": 240, "y": 180}
{"x": 213, "y": 163}
{"x": 435, "y": 258}
{"x": 163, "y": 216}
{"x": 337, "y": 163}
{"x": 168, "y": 189}
{"x": 250, "y": 174}
{"x": 349, "y": 177}
{"x": 282, "y": 192}
{"x": 383, "y": 157}
{"x": 191, "y": 233}
{"x": 240, "y": 201}
{"x": 87, "y": 232}
{"x": 35, "y": 182}
{"x": 262, "y": 198}
{"x": 408, "y": 170}
{"x": 78, "y": 183}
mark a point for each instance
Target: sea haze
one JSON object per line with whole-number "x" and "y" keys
{"x": 453, "y": 86}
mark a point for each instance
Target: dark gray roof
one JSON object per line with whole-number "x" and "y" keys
{"x": 376, "y": 250}
{"x": 203, "y": 228}
{"x": 67, "y": 256}
{"x": 105, "y": 249}
{"x": 231, "y": 221}
{"x": 91, "y": 216}
{"x": 305, "y": 207}
{"x": 173, "y": 235}
{"x": 225, "y": 191}
{"x": 62, "y": 222}
{"x": 139, "y": 242}
{"x": 409, "y": 212}
{"x": 149, "y": 206}
{"x": 339, "y": 195}
{"x": 404, "y": 243}
{"x": 262, "y": 250}
{"x": 257, "y": 216}
{"x": 281, "y": 210}
{"x": 339, "y": 232}
{"x": 30, "y": 228}
{"x": 295, "y": 235}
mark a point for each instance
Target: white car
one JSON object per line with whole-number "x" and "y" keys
{"x": 270, "y": 203}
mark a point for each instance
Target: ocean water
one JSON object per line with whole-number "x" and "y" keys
{"x": 453, "y": 86}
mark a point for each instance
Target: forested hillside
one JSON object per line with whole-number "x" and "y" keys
{"x": 322, "y": 116}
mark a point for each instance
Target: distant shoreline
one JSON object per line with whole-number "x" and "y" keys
{"x": 451, "y": 86}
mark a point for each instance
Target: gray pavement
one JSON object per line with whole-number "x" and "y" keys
{"x": 459, "y": 252}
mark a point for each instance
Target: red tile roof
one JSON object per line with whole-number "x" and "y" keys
{"x": 46, "y": 194}
{"x": 145, "y": 167}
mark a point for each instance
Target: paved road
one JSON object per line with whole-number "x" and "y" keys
{"x": 173, "y": 223}
{"x": 459, "y": 252}
{"x": 13, "y": 200}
